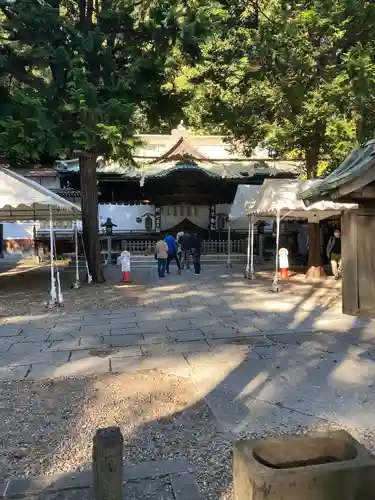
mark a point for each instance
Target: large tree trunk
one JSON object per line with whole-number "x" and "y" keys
{"x": 89, "y": 196}
{"x": 315, "y": 263}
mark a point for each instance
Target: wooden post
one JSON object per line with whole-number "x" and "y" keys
{"x": 107, "y": 464}
{"x": 1, "y": 241}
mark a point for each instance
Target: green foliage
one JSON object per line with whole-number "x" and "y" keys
{"x": 88, "y": 74}
{"x": 302, "y": 83}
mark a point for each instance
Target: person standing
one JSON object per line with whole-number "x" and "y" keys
{"x": 196, "y": 250}
{"x": 334, "y": 254}
{"x": 161, "y": 255}
{"x": 185, "y": 242}
{"x": 172, "y": 252}
{"x": 178, "y": 239}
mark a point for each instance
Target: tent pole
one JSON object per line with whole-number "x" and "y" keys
{"x": 53, "y": 300}
{"x": 60, "y": 298}
{"x": 247, "y": 270}
{"x": 229, "y": 263}
{"x": 77, "y": 283}
{"x": 276, "y": 278}
{"x": 252, "y": 272}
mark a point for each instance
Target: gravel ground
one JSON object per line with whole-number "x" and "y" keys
{"x": 48, "y": 427}
{"x": 26, "y": 291}
{"x": 159, "y": 416}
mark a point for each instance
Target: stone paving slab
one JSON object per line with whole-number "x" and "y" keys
{"x": 14, "y": 372}
{"x": 10, "y": 331}
{"x": 185, "y": 487}
{"x": 28, "y": 347}
{"x": 74, "y": 368}
{"x": 157, "y": 338}
{"x": 97, "y": 330}
{"x": 187, "y": 336}
{"x": 152, "y": 326}
{"x": 145, "y": 480}
{"x": 195, "y": 347}
{"x": 131, "y": 330}
{"x": 128, "y": 352}
{"x": 176, "y": 364}
{"x": 212, "y": 332}
{"x": 58, "y": 335}
{"x": 61, "y": 345}
{"x": 123, "y": 340}
{"x": 5, "y": 345}
{"x": 49, "y": 358}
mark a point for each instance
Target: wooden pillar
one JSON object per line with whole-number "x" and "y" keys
{"x": 349, "y": 250}
{"x": 90, "y": 223}
{"x": 1, "y": 241}
{"x": 107, "y": 464}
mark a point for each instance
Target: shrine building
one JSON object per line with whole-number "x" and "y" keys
{"x": 181, "y": 181}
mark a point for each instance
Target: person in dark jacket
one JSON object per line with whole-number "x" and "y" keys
{"x": 196, "y": 251}
{"x": 334, "y": 254}
{"x": 185, "y": 242}
{"x": 172, "y": 252}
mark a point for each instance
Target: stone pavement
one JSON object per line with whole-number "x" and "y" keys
{"x": 250, "y": 352}
{"x": 157, "y": 480}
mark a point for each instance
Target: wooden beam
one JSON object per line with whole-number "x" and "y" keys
{"x": 365, "y": 192}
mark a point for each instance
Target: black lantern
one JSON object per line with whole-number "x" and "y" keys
{"x": 273, "y": 153}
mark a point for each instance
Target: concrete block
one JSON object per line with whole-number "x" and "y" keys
{"x": 329, "y": 465}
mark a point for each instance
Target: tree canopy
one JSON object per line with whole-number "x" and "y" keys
{"x": 83, "y": 74}
{"x": 302, "y": 83}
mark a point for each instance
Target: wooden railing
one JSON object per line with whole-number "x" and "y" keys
{"x": 146, "y": 246}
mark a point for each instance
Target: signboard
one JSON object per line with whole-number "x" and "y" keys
{"x": 158, "y": 219}
{"x": 213, "y": 217}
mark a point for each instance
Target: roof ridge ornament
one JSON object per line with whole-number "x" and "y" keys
{"x": 180, "y": 130}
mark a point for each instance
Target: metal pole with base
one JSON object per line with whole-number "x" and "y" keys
{"x": 247, "y": 270}
{"x": 109, "y": 258}
{"x": 276, "y": 285}
{"x": 77, "y": 283}
{"x": 60, "y": 298}
{"x": 229, "y": 262}
{"x": 53, "y": 300}
{"x": 252, "y": 272}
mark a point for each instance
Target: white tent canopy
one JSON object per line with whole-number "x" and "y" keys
{"x": 282, "y": 196}
{"x": 245, "y": 195}
{"x": 22, "y": 199}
